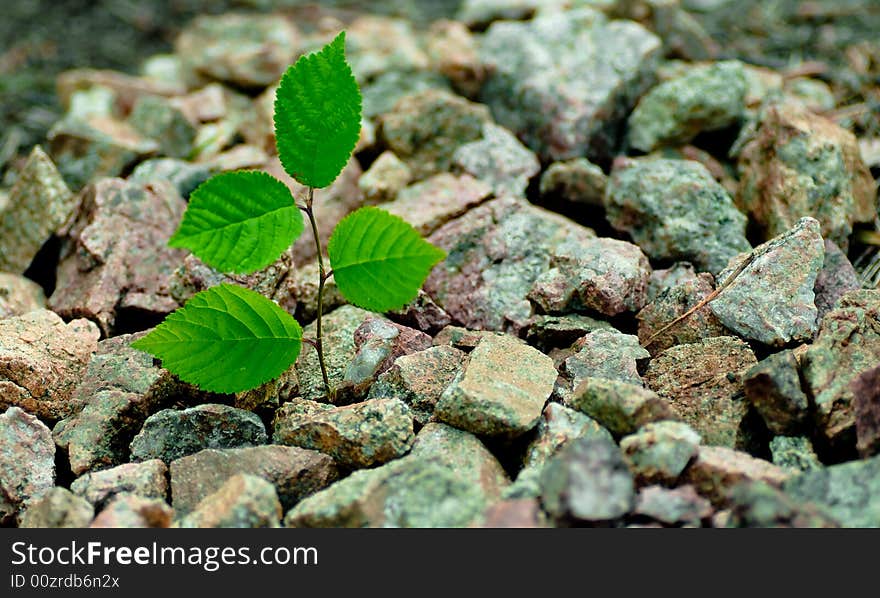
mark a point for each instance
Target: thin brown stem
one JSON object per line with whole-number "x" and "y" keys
{"x": 319, "y": 340}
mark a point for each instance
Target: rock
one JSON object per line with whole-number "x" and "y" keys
{"x": 460, "y": 338}
{"x": 27, "y": 463}
{"x": 668, "y": 278}
{"x": 295, "y": 473}
{"x": 678, "y": 506}
{"x": 496, "y": 252}
{"x": 382, "y": 93}
{"x": 147, "y": 480}
{"x": 499, "y": 159}
{"x": 37, "y": 205}
{"x": 676, "y": 299}
{"x": 848, "y": 492}
{"x": 606, "y": 354}
{"x": 171, "y": 434}
{"x": 304, "y": 280}
{"x": 243, "y": 501}
{"x": 477, "y": 14}
{"x": 463, "y": 453}
{"x": 115, "y": 256}
{"x": 131, "y": 511}
{"x": 703, "y": 384}
{"x": 453, "y": 52}
{"x": 426, "y": 128}
{"x": 836, "y": 278}
{"x": 41, "y": 361}
{"x": 379, "y": 343}
{"x": 19, "y": 295}
{"x": 706, "y": 98}
{"x": 771, "y": 300}
{"x": 408, "y": 492}
{"x": 378, "y": 44}
{"x": 564, "y": 103}
{"x": 848, "y": 344}
{"x": 356, "y": 436}
{"x": 717, "y": 469}
{"x": 558, "y": 426}
{"x": 577, "y": 181}
{"x": 794, "y": 452}
{"x": 659, "y": 452}
{"x": 815, "y": 95}
{"x": 158, "y": 119}
{"x": 501, "y": 391}
{"x": 431, "y": 203}
{"x": 866, "y": 405}
{"x": 796, "y": 164}
{"x": 244, "y": 50}
{"x": 514, "y": 513}
{"x": 419, "y": 379}
{"x": 385, "y": 178}
{"x": 619, "y": 406}
{"x": 600, "y": 274}
{"x": 757, "y": 504}
{"x": 675, "y": 210}
{"x": 339, "y": 327}
{"x": 126, "y": 89}
{"x": 588, "y": 480}
{"x": 547, "y": 331}
{"x": 773, "y": 387}
{"x": 185, "y": 176}
{"x": 59, "y": 508}
{"x": 422, "y": 314}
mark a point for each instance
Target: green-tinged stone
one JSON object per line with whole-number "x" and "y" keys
{"x": 27, "y": 462}
{"x": 158, "y": 119}
{"x": 606, "y": 354}
{"x": 677, "y": 506}
{"x": 773, "y": 387}
{"x": 244, "y": 501}
{"x": 659, "y": 452}
{"x": 500, "y": 159}
{"x": 185, "y": 176}
{"x": 619, "y": 406}
{"x": 794, "y": 452}
{"x": 148, "y": 479}
{"x": 577, "y": 180}
{"x": 757, "y": 504}
{"x": 384, "y": 178}
{"x": 59, "y": 508}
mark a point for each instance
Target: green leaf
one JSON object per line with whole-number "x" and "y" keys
{"x": 226, "y": 339}
{"x": 318, "y": 116}
{"x": 379, "y": 260}
{"x": 239, "y": 222}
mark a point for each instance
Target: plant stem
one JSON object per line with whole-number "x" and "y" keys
{"x": 319, "y": 341}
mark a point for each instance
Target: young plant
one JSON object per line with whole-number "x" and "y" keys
{"x": 228, "y": 338}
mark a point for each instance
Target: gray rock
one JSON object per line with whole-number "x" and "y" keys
{"x": 849, "y": 492}
{"x": 577, "y": 180}
{"x": 499, "y": 159}
{"x": 675, "y": 210}
{"x": 431, "y": 203}
{"x": 588, "y": 480}
{"x": 619, "y": 406}
{"x": 37, "y": 205}
{"x": 385, "y": 177}
{"x": 835, "y": 279}
{"x": 243, "y": 501}
{"x": 147, "y": 480}
{"x": 677, "y": 506}
{"x": 185, "y": 176}
{"x": 19, "y": 295}
{"x": 295, "y": 473}
{"x": 171, "y": 434}
{"x": 382, "y": 93}
{"x": 59, "y": 508}
{"x": 548, "y": 331}
{"x": 379, "y": 44}
{"x": 27, "y": 463}
{"x": 606, "y": 354}
{"x": 705, "y": 98}
{"x": 773, "y": 386}
{"x": 501, "y": 391}
{"x": 772, "y": 299}
{"x": 564, "y": 81}
{"x": 360, "y": 435}
{"x": 757, "y": 504}
{"x": 659, "y": 452}
{"x": 794, "y": 452}
{"x": 159, "y": 119}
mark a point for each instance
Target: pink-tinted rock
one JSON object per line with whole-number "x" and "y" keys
{"x": 27, "y": 462}
{"x": 717, "y": 469}
{"x": 132, "y": 511}
{"x": 866, "y": 404}
{"x": 836, "y": 278}
{"x": 433, "y": 202}
{"x": 514, "y": 513}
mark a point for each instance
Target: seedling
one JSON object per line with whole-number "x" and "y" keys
{"x": 229, "y": 338}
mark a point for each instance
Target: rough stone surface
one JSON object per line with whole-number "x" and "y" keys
{"x": 866, "y": 405}
{"x": 849, "y": 492}
{"x": 37, "y": 205}
{"x": 453, "y": 52}
{"x": 426, "y": 128}
{"x": 433, "y": 202}
{"x": 847, "y": 345}
{"x": 148, "y": 480}
{"x": 606, "y": 354}
{"x": 382, "y": 93}
{"x": 158, "y": 119}
{"x": 385, "y": 177}
{"x": 717, "y": 469}
{"x": 836, "y": 278}
{"x": 514, "y": 513}
{"x": 115, "y": 254}
{"x": 757, "y": 504}
{"x": 18, "y": 295}
{"x": 794, "y": 452}
{"x": 41, "y": 361}
{"x": 295, "y": 473}
{"x": 659, "y": 452}
{"x": 243, "y": 501}
{"x": 360, "y": 435}
{"x": 171, "y": 434}
{"x": 245, "y": 50}
{"x": 558, "y": 426}
{"x": 564, "y": 81}
{"x": 773, "y": 387}
{"x": 132, "y": 511}
{"x": 185, "y": 176}
{"x": 705, "y": 98}
{"x": 419, "y": 379}
{"x": 549, "y": 331}
{"x": 679, "y": 506}
{"x": 619, "y": 406}
{"x": 379, "y": 44}
{"x": 703, "y": 384}
{"x": 577, "y": 180}
{"x": 422, "y": 314}
{"x": 772, "y": 299}
{"x": 797, "y": 164}
{"x": 27, "y": 462}
{"x": 588, "y": 480}
{"x": 499, "y": 159}
{"x": 59, "y": 508}
{"x": 501, "y": 391}
{"x": 675, "y": 210}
